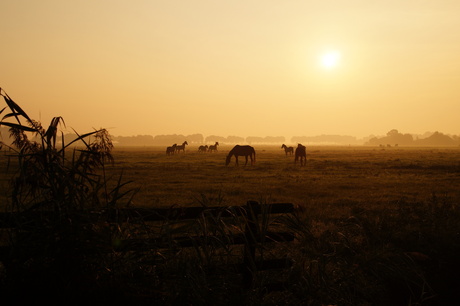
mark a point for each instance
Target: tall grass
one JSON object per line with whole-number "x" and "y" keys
{"x": 55, "y": 186}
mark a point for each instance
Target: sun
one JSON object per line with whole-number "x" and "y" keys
{"x": 330, "y": 59}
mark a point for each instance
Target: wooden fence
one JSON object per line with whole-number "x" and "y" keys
{"x": 251, "y": 218}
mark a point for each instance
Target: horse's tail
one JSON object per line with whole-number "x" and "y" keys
{"x": 254, "y": 153}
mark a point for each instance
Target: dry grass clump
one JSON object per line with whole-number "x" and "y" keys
{"x": 51, "y": 234}
{"x": 405, "y": 256}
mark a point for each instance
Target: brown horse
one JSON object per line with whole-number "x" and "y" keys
{"x": 202, "y": 148}
{"x": 287, "y": 149}
{"x": 246, "y": 151}
{"x": 301, "y": 153}
{"x": 213, "y": 148}
{"x": 181, "y": 147}
{"x": 170, "y": 150}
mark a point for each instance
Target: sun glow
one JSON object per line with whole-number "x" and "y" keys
{"x": 330, "y": 59}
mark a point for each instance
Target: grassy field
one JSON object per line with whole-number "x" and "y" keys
{"x": 334, "y": 177}
{"x": 373, "y": 227}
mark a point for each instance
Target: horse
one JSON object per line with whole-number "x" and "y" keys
{"x": 301, "y": 152}
{"x": 213, "y": 148}
{"x": 170, "y": 150}
{"x": 202, "y": 148}
{"x": 181, "y": 147}
{"x": 287, "y": 149}
{"x": 241, "y": 151}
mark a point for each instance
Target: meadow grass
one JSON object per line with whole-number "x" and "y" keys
{"x": 373, "y": 226}
{"x": 333, "y": 176}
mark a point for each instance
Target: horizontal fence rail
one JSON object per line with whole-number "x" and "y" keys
{"x": 182, "y": 213}
{"x": 249, "y": 216}
{"x": 14, "y": 219}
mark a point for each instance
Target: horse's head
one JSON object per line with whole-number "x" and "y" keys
{"x": 227, "y": 160}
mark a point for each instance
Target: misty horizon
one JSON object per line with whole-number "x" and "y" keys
{"x": 393, "y": 137}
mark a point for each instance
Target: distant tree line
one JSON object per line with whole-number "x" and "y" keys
{"x": 221, "y": 140}
{"x": 327, "y": 139}
{"x": 266, "y": 139}
{"x": 392, "y": 138}
{"x": 147, "y": 140}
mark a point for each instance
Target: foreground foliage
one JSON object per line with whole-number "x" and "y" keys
{"x": 54, "y": 188}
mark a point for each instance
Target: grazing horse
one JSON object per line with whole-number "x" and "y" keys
{"x": 213, "y": 148}
{"x": 181, "y": 147}
{"x": 170, "y": 150}
{"x": 301, "y": 152}
{"x": 287, "y": 149}
{"x": 202, "y": 148}
{"x": 241, "y": 151}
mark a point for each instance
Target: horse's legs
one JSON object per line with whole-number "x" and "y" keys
{"x": 236, "y": 159}
{"x": 246, "y": 160}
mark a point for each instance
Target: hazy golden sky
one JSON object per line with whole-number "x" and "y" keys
{"x": 244, "y": 68}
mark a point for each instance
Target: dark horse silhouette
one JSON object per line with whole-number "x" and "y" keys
{"x": 287, "y": 149}
{"x": 202, "y": 148}
{"x": 170, "y": 150}
{"x": 181, "y": 147}
{"x": 213, "y": 148}
{"x": 301, "y": 153}
{"x": 246, "y": 151}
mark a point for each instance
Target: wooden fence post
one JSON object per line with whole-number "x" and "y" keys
{"x": 251, "y": 237}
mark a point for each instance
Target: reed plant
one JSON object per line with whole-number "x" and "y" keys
{"x": 54, "y": 236}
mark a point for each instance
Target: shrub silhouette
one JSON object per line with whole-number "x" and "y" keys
{"x": 54, "y": 188}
